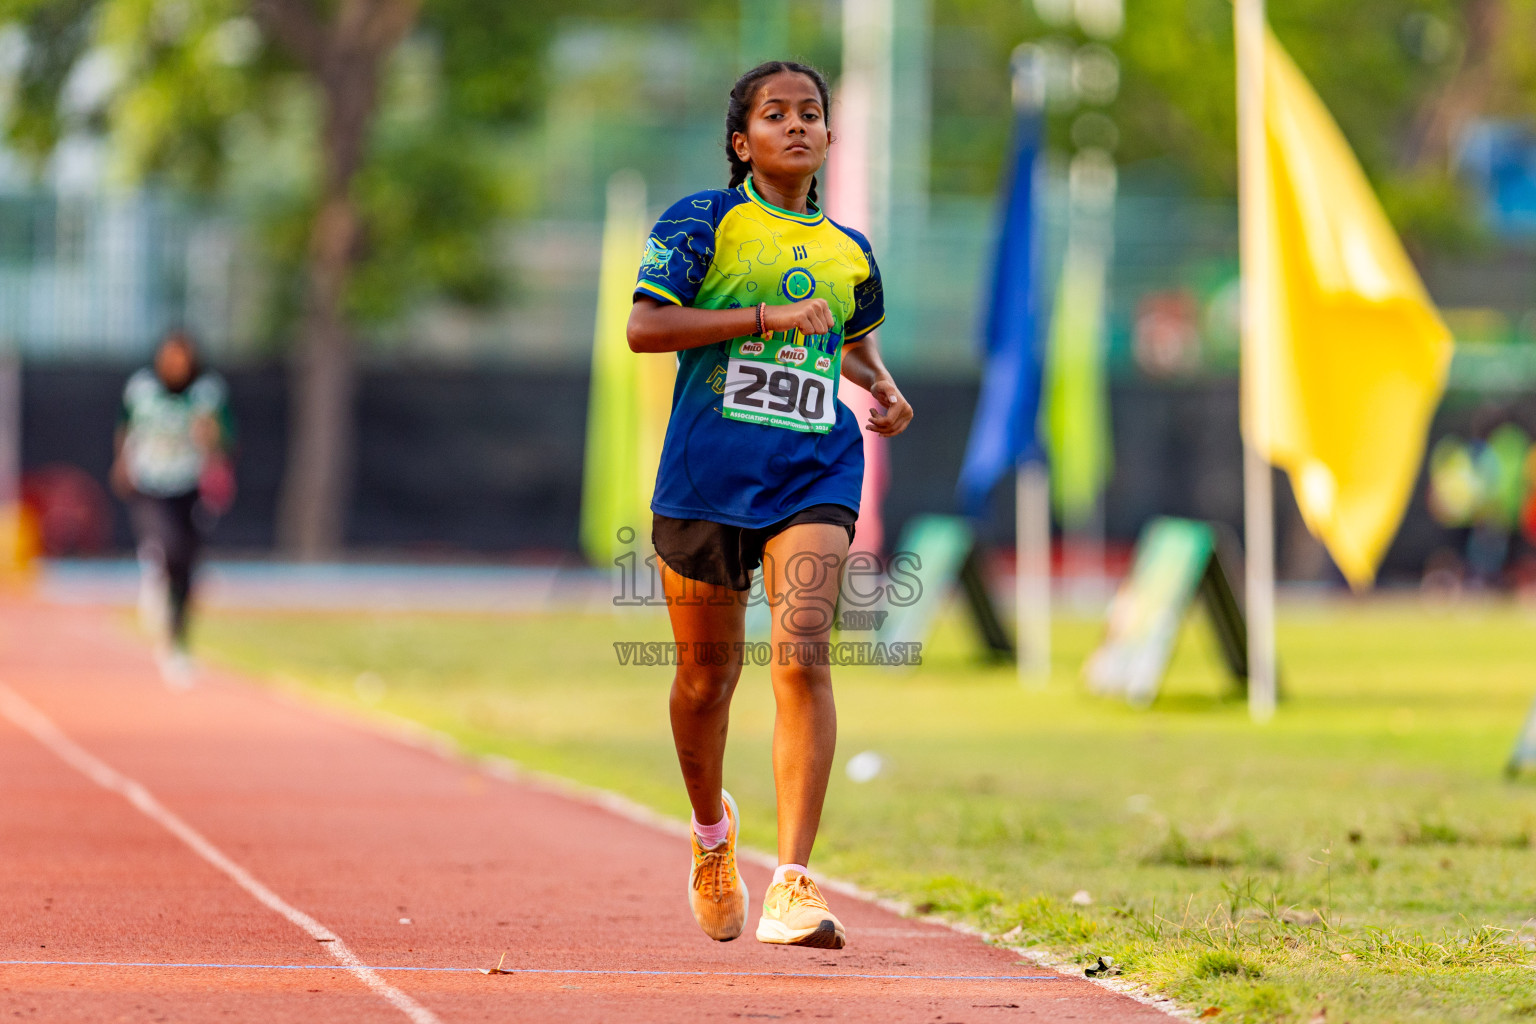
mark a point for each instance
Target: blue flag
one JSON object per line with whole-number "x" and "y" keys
{"x": 1003, "y": 432}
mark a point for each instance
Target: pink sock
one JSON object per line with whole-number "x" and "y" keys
{"x": 712, "y": 835}
{"x": 784, "y": 869}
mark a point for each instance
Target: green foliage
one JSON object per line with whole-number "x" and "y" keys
{"x": 58, "y": 33}
{"x": 201, "y": 100}
{"x": 1431, "y": 208}
{"x": 1375, "y": 63}
{"x": 431, "y": 196}
{"x": 186, "y": 71}
{"x": 426, "y": 205}
{"x": 492, "y": 56}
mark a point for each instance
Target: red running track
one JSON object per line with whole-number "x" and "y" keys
{"x": 223, "y": 855}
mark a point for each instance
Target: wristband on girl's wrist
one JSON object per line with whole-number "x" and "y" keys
{"x": 758, "y": 313}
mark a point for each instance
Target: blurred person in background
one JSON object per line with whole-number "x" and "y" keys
{"x": 1481, "y": 490}
{"x": 172, "y": 468}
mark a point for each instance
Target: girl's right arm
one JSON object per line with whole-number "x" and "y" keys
{"x": 656, "y": 326}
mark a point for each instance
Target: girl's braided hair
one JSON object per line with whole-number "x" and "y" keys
{"x": 740, "y": 106}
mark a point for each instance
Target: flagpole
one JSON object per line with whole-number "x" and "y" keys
{"x": 868, "y": 39}
{"x": 1032, "y": 571}
{"x": 1258, "y": 484}
{"x": 1032, "y": 475}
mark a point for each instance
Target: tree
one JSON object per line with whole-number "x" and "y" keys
{"x": 1491, "y": 73}
{"x": 344, "y": 55}
{"x": 1401, "y": 76}
{"x": 395, "y": 206}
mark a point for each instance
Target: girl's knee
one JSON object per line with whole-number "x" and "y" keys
{"x": 705, "y": 686}
{"x": 795, "y": 677}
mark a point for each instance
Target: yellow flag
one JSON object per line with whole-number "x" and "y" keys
{"x": 1349, "y": 357}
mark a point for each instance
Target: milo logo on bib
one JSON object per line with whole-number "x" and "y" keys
{"x": 789, "y": 381}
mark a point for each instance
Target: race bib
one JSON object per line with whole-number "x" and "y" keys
{"x": 787, "y": 381}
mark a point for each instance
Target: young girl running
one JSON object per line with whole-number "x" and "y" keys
{"x": 766, "y": 302}
{"x": 171, "y": 464}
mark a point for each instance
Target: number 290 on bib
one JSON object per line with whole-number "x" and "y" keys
{"x": 781, "y": 384}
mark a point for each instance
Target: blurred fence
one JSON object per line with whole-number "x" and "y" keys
{"x": 98, "y": 277}
{"x": 486, "y": 462}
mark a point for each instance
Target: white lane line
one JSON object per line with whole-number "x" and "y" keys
{"x": 33, "y": 721}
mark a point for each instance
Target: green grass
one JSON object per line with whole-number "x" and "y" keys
{"x": 1360, "y": 853}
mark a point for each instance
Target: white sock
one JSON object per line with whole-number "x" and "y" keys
{"x": 784, "y": 869}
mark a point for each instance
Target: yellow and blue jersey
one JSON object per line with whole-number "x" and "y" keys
{"x": 756, "y": 432}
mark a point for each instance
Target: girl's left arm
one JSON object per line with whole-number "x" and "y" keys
{"x": 863, "y": 366}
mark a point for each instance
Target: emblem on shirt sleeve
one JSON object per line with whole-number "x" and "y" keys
{"x": 656, "y": 257}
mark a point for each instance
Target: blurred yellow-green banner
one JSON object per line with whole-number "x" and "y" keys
{"x": 1349, "y": 357}
{"x": 631, "y": 393}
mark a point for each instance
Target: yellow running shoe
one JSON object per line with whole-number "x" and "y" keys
{"x": 716, "y": 892}
{"x": 795, "y": 914}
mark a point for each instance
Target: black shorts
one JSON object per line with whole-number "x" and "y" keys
{"x": 725, "y": 555}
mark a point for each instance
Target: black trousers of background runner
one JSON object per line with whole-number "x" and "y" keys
{"x": 167, "y": 532}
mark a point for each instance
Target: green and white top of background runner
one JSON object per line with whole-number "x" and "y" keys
{"x": 164, "y": 458}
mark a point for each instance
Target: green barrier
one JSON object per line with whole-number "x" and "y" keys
{"x": 1177, "y": 561}
{"x": 939, "y": 552}
{"x": 1524, "y": 754}
{"x": 934, "y": 555}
